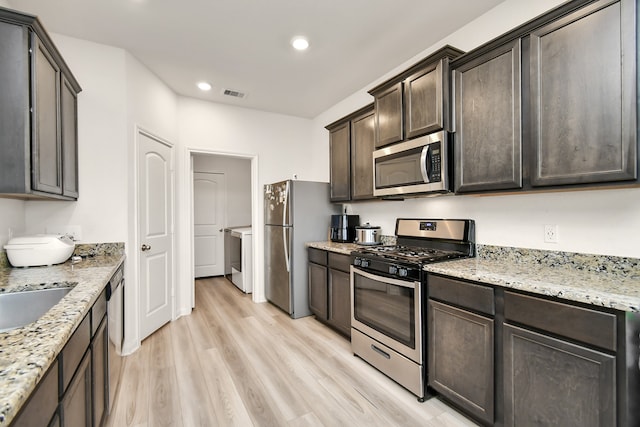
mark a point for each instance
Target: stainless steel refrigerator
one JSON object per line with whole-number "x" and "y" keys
{"x": 295, "y": 212}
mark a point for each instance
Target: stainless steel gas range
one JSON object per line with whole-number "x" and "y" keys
{"x": 388, "y": 298}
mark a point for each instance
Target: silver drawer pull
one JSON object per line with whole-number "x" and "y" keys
{"x": 380, "y": 352}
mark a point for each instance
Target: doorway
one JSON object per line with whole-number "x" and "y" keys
{"x": 230, "y": 195}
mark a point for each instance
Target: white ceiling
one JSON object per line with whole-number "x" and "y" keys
{"x": 244, "y": 45}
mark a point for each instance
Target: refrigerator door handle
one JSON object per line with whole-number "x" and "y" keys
{"x": 285, "y": 242}
{"x": 285, "y": 214}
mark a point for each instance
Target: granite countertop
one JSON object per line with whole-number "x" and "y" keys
{"x": 612, "y": 282}
{"x": 341, "y": 248}
{"x": 26, "y": 353}
{"x": 605, "y": 281}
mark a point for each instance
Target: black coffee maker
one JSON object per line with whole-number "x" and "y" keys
{"x": 343, "y": 227}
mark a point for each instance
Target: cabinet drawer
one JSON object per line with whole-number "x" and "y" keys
{"x": 73, "y": 351}
{"x": 98, "y": 311}
{"x": 339, "y": 261}
{"x": 588, "y": 326}
{"x": 463, "y": 294}
{"x": 318, "y": 256}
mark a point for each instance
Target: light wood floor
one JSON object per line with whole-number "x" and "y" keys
{"x": 236, "y": 363}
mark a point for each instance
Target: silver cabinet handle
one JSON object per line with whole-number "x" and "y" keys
{"x": 145, "y": 248}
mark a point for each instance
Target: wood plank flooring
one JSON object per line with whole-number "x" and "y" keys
{"x": 236, "y": 363}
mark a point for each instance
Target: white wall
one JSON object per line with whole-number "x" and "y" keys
{"x": 237, "y": 173}
{"x": 11, "y": 220}
{"x": 597, "y": 221}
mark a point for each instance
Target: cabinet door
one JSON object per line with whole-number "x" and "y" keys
{"x": 15, "y": 163}
{"x": 461, "y": 359}
{"x": 423, "y": 98}
{"x": 76, "y": 403}
{"x": 46, "y": 150}
{"x": 69, "y": 113}
{"x": 100, "y": 373}
{"x": 340, "y": 162}
{"x": 43, "y": 402}
{"x": 318, "y": 290}
{"x": 339, "y": 301}
{"x": 388, "y": 116}
{"x": 555, "y": 383}
{"x": 362, "y": 146}
{"x": 583, "y": 97}
{"x": 488, "y": 138}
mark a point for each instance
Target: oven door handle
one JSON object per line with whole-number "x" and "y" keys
{"x": 425, "y": 163}
{"x": 384, "y": 279}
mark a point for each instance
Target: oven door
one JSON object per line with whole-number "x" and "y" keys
{"x": 415, "y": 166}
{"x": 389, "y": 311}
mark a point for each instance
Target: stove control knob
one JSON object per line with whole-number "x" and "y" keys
{"x": 403, "y": 272}
{"x": 365, "y": 263}
{"x": 357, "y": 261}
{"x": 393, "y": 269}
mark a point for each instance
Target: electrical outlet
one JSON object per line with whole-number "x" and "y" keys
{"x": 551, "y": 233}
{"x": 75, "y": 231}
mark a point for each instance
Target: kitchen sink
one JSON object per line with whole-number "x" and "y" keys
{"x": 18, "y": 309}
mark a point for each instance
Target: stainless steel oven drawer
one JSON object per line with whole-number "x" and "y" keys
{"x": 400, "y": 369}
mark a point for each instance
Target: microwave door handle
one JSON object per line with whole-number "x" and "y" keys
{"x": 425, "y": 163}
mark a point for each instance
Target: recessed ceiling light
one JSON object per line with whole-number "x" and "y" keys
{"x": 300, "y": 43}
{"x": 204, "y": 86}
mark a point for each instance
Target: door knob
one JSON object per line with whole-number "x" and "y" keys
{"x": 145, "y": 248}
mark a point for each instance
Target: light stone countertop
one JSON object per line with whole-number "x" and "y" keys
{"x": 612, "y": 282}
{"x": 341, "y": 248}
{"x": 605, "y": 281}
{"x": 27, "y": 353}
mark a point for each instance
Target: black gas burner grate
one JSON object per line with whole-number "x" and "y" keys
{"x": 412, "y": 253}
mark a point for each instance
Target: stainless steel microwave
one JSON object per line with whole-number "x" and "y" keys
{"x": 413, "y": 167}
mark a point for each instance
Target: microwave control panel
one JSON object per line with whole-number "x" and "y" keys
{"x": 435, "y": 160}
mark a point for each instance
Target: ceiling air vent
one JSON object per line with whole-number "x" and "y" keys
{"x": 234, "y": 93}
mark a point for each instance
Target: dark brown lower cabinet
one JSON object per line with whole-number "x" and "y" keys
{"x": 329, "y": 289}
{"x": 100, "y": 374}
{"x": 318, "y": 290}
{"x": 460, "y": 354}
{"x": 461, "y": 358}
{"x": 42, "y": 404}
{"x": 76, "y": 403}
{"x": 339, "y": 315}
{"x": 512, "y": 358}
{"x": 553, "y": 382}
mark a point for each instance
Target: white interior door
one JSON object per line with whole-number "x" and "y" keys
{"x": 208, "y": 223}
{"x": 155, "y": 219}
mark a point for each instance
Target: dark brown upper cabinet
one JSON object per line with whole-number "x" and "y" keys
{"x": 488, "y": 121}
{"x": 38, "y": 113}
{"x": 362, "y": 146}
{"x": 351, "y": 145}
{"x": 551, "y": 103}
{"x": 583, "y": 97}
{"x": 416, "y": 101}
{"x": 340, "y": 162}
